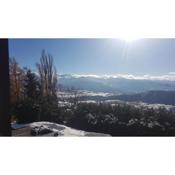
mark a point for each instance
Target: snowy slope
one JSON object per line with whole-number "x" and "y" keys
{"x": 62, "y": 130}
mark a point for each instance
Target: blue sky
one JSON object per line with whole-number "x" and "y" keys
{"x": 99, "y": 56}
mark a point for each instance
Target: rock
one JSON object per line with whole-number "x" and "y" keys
{"x": 37, "y": 131}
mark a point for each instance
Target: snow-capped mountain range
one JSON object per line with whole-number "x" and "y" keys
{"x": 119, "y": 83}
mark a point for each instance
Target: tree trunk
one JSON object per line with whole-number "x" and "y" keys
{"x": 5, "y": 124}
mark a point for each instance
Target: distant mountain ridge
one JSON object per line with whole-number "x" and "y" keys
{"x": 115, "y": 84}
{"x": 160, "y": 97}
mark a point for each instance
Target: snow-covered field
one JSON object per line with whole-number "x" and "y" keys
{"x": 82, "y": 93}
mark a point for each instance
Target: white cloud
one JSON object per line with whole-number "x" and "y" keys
{"x": 167, "y": 77}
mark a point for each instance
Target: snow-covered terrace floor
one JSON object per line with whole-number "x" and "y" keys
{"x": 62, "y": 130}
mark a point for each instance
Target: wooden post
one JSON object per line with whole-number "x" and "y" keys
{"x": 5, "y": 124}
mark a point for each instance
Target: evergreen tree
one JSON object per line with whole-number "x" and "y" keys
{"x": 31, "y": 85}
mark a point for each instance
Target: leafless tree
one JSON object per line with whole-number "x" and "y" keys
{"x": 16, "y": 81}
{"x": 48, "y": 74}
